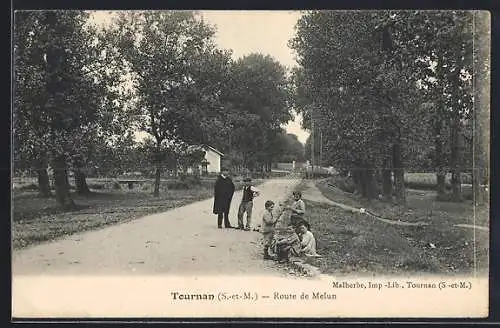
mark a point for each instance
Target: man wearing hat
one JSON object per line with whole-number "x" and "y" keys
{"x": 223, "y": 194}
{"x": 246, "y": 205}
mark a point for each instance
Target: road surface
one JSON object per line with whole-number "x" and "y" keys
{"x": 184, "y": 240}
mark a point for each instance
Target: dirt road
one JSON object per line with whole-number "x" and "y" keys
{"x": 184, "y": 240}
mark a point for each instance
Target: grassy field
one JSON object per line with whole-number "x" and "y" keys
{"x": 37, "y": 219}
{"x": 428, "y": 181}
{"x": 430, "y": 178}
{"x": 358, "y": 244}
{"x": 421, "y": 206}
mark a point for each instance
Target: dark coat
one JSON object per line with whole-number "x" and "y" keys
{"x": 223, "y": 194}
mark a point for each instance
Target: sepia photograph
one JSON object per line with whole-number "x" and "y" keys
{"x": 250, "y": 164}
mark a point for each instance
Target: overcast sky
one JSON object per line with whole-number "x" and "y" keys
{"x": 245, "y": 32}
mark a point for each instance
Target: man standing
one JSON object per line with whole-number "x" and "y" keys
{"x": 246, "y": 205}
{"x": 223, "y": 194}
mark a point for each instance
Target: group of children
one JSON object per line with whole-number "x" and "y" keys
{"x": 296, "y": 239}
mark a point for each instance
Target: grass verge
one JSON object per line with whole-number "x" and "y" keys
{"x": 37, "y": 219}
{"x": 352, "y": 243}
{"x": 421, "y": 206}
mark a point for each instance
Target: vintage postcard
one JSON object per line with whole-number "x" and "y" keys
{"x": 250, "y": 164}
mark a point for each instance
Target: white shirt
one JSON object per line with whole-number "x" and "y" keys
{"x": 308, "y": 243}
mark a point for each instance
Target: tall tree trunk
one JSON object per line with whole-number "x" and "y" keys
{"x": 63, "y": 196}
{"x": 364, "y": 182}
{"x": 399, "y": 174}
{"x": 43, "y": 177}
{"x": 66, "y": 175}
{"x": 357, "y": 179}
{"x": 441, "y": 182}
{"x": 81, "y": 182}
{"x": 370, "y": 187}
{"x": 438, "y": 158}
{"x": 156, "y": 192}
{"x": 80, "y": 178}
{"x": 387, "y": 182}
{"x": 456, "y": 181}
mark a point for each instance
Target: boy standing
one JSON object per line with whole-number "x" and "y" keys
{"x": 268, "y": 226}
{"x": 298, "y": 208}
{"x": 246, "y": 205}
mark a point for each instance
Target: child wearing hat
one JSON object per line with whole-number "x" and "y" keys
{"x": 246, "y": 205}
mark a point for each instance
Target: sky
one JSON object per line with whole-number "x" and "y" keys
{"x": 245, "y": 32}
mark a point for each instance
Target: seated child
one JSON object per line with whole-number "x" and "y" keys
{"x": 269, "y": 220}
{"x": 307, "y": 241}
{"x": 286, "y": 243}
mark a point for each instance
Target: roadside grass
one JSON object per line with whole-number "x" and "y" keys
{"x": 37, "y": 219}
{"x": 421, "y": 206}
{"x": 353, "y": 243}
{"x": 357, "y": 244}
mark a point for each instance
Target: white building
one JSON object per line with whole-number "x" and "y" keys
{"x": 213, "y": 159}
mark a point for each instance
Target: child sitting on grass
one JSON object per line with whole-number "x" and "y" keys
{"x": 286, "y": 244}
{"x": 307, "y": 241}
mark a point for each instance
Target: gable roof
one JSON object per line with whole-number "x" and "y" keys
{"x": 213, "y": 149}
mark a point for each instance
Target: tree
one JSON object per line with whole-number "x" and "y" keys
{"x": 347, "y": 87}
{"x": 59, "y": 89}
{"x": 164, "y": 51}
{"x": 257, "y": 102}
{"x": 190, "y": 156}
{"x": 365, "y": 81}
{"x": 30, "y": 148}
{"x": 439, "y": 50}
{"x": 289, "y": 148}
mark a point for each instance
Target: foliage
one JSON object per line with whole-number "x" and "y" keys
{"x": 176, "y": 71}
{"x": 65, "y": 96}
{"x": 256, "y": 103}
{"x": 290, "y": 148}
{"x": 365, "y": 79}
{"x": 168, "y": 56}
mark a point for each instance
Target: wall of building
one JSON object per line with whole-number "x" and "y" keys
{"x": 214, "y": 160}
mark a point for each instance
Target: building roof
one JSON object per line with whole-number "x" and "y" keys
{"x": 213, "y": 149}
